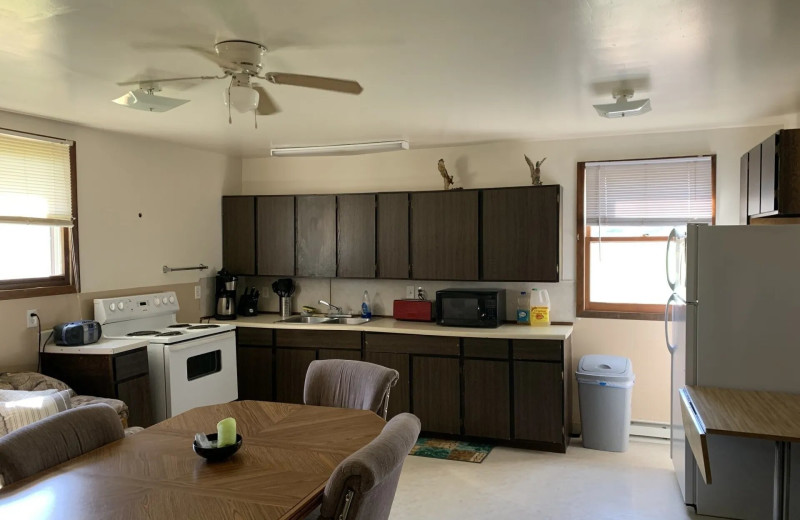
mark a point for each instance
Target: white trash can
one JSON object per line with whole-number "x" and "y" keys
{"x": 605, "y": 385}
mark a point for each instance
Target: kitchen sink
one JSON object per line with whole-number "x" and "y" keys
{"x": 312, "y": 320}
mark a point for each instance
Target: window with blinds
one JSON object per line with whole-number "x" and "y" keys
{"x": 36, "y": 215}
{"x": 627, "y": 210}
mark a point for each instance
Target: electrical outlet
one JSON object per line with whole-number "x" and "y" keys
{"x": 196, "y": 292}
{"x": 31, "y": 319}
{"x": 411, "y": 293}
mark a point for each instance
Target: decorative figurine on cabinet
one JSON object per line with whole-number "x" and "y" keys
{"x": 536, "y": 174}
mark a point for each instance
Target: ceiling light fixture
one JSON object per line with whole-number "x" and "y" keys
{"x": 340, "y": 149}
{"x": 243, "y": 99}
{"x": 144, "y": 98}
{"x": 624, "y": 107}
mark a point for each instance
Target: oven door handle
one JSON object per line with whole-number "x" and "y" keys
{"x": 213, "y": 342}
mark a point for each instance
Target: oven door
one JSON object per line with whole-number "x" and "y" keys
{"x": 200, "y": 372}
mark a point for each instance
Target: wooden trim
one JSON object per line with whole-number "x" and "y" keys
{"x": 67, "y": 283}
{"x": 584, "y": 307}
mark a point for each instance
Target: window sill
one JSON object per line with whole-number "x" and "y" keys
{"x": 621, "y": 315}
{"x": 33, "y": 292}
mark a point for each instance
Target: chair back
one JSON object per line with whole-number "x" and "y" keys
{"x": 363, "y": 486}
{"x": 344, "y": 383}
{"x": 56, "y": 439}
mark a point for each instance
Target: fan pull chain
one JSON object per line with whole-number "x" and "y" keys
{"x": 255, "y": 119}
{"x": 230, "y": 121}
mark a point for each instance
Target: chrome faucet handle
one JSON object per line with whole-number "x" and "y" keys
{"x": 332, "y": 309}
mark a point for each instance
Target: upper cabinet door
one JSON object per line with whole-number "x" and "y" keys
{"x": 356, "y": 236}
{"x": 520, "y": 234}
{"x": 768, "y": 178}
{"x": 275, "y": 241}
{"x": 238, "y": 235}
{"x": 754, "y": 182}
{"x": 444, "y": 235}
{"x": 392, "y": 235}
{"x": 316, "y": 235}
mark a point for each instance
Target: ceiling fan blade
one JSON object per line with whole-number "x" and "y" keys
{"x": 165, "y": 80}
{"x": 211, "y": 55}
{"x": 318, "y": 82}
{"x": 266, "y": 105}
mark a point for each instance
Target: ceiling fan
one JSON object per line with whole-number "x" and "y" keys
{"x": 241, "y": 61}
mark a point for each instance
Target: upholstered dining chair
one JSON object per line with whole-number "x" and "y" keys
{"x": 362, "y": 487}
{"x": 345, "y": 383}
{"x": 56, "y": 439}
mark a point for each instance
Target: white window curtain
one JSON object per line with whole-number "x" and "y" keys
{"x": 35, "y": 180}
{"x": 657, "y": 192}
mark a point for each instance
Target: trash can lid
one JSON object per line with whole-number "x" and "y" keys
{"x": 595, "y": 366}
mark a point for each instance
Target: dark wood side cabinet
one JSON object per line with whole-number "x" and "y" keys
{"x": 436, "y": 393}
{"x": 255, "y": 362}
{"x": 316, "y": 236}
{"x": 487, "y": 391}
{"x": 771, "y": 174}
{"x": 444, "y": 235}
{"x": 275, "y": 235}
{"x": 123, "y": 376}
{"x": 520, "y": 230}
{"x": 392, "y": 235}
{"x": 355, "y": 240}
{"x": 238, "y": 235}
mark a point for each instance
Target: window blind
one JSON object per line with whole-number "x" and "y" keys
{"x": 35, "y": 180}
{"x": 658, "y": 192}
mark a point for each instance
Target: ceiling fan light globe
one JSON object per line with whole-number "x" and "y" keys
{"x": 243, "y": 99}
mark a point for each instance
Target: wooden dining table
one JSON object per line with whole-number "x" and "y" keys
{"x": 288, "y": 453}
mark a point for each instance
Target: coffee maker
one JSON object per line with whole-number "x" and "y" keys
{"x": 226, "y": 296}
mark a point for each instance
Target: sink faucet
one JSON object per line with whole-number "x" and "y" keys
{"x": 332, "y": 309}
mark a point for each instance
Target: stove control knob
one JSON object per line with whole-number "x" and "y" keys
{"x": 164, "y": 300}
{"x": 113, "y": 306}
{"x": 171, "y": 299}
{"x": 156, "y": 301}
{"x": 121, "y": 305}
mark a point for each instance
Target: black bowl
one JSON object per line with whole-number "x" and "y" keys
{"x": 217, "y": 454}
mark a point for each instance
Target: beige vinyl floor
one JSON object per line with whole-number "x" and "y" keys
{"x": 519, "y": 484}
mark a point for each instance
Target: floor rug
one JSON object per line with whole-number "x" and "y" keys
{"x": 451, "y": 450}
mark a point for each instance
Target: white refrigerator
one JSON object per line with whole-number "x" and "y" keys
{"x": 733, "y": 321}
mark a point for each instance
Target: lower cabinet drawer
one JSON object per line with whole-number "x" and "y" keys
{"x": 130, "y": 365}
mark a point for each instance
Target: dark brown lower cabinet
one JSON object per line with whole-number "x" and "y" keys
{"x": 291, "y": 366}
{"x": 254, "y": 366}
{"x": 400, "y": 395}
{"x": 137, "y": 392}
{"x": 487, "y": 399}
{"x": 538, "y": 402}
{"x": 333, "y": 353}
{"x": 436, "y": 393}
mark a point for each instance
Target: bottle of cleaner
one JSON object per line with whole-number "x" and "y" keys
{"x": 540, "y": 308}
{"x": 366, "y": 311}
{"x": 524, "y": 308}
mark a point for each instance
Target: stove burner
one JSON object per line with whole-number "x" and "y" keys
{"x": 197, "y": 327}
{"x": 179, "y": 326}
{"x": 170, "y": 333}
{"x": 143, "y": 333}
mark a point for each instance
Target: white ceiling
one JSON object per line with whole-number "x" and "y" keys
{"x": 434, "y": 72}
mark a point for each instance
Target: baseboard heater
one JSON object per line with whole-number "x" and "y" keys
{"x": 650, "y": 429}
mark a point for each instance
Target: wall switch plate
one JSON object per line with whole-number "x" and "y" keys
{"x": 411, "y": 293}
{"x": 197, "y": 293}
{"x": 30, "y": 319}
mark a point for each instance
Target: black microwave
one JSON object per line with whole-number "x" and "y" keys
{"x": 471, "y": 307}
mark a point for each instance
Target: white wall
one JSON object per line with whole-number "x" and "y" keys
{"x": 502, "y": 164}
{"x": 178, "y": 191}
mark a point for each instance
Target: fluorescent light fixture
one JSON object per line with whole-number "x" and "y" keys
{"x": 142, "y": 99}
{"x": 243, "y": 99}
{"x": 624, "y": 107}
{"x": 340, "y": 149}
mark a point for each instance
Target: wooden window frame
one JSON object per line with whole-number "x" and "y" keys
{"x": 585, "y": 308}
{"x": 69, "y": 282}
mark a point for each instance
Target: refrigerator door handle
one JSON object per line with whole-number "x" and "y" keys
{"x": 673, "y": 297}
{"x": 675, "y": 259}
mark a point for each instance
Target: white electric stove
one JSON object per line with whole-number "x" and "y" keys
{"x": 191, "y": 364}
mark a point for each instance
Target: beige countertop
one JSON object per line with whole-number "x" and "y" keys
{"x": 392, "y": 326}
{"x": 105, "y": 347}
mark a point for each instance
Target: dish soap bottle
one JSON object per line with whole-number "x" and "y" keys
{"x": 540, "y": 308}
{"x": 524, "y": 309}
{"x": 366, "y": 311}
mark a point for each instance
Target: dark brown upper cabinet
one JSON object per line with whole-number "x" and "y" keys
{"x": 316, "y": 236}
{"x": 356, "y": 236}
{"x": 520, "y": 229}
{"x": 771, "y": 174}
{"x": 239, "y": 235}
{"x": 275, "y": 240}
{"x": 392, "y": 235}
{"x": 444, "y": 235}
